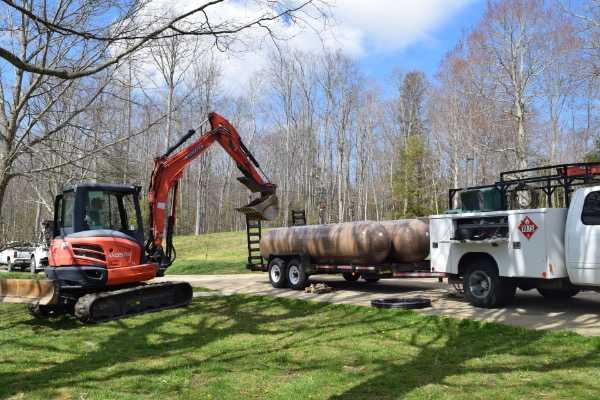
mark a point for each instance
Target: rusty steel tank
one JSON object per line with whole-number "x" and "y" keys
{"x": 410, "y": 239}
{"x": 357, "y": 243}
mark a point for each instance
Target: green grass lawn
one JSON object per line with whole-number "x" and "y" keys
{"x": 262, "y": 348}
{"x": 213, "y": 253}
{"x": 20, "y": 275}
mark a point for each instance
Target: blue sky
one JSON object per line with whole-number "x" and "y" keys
{"x": 379, "y": 35}
{"x": 423, "y": 54}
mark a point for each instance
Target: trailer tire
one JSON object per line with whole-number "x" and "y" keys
{"x": 483, "y": 286}
{"x": 558, "y": 294}
{"x": 407, "y": 304}
{"x": 296, "y": 275}
{"x": 277, "y": 273}
{"x": 351, "y": 276}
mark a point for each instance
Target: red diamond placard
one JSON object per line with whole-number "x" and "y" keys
{"x": 527, "y": 227}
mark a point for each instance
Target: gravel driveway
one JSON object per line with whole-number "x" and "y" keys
{"x": 580, "y": 314}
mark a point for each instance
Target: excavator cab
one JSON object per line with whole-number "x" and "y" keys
{"x": 98, "y": 237}
{"x": 98, "y": 210}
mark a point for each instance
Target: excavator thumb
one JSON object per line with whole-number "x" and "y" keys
{"x": 42, "y": 292}
{"x": 265, "y": 207}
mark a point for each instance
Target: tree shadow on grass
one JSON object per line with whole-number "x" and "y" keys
{"x": 444, "y": 349}
{"x": 159, "y": 335}
{"x": 460, "y": 349}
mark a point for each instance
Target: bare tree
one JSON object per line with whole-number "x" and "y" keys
{"x": 129, "y": 29}
{"x": 508, "y": 45}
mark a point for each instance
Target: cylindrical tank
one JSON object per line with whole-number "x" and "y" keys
{"x": 410, "y": 239}
{"x": 359, "y": 243}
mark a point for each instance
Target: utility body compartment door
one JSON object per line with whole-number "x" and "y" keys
{"x": 583, "y": 237}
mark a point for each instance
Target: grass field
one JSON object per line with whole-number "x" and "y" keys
{"x": 213, "y": 253}
{"x": 250, "y": 347}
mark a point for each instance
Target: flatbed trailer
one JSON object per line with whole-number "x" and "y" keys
{"x": 371, "y": 273}
{"x": 293, "y": 269}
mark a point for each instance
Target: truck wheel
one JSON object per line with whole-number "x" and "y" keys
{"x": 9, "y": 265}
{"x": 33, "y": 265}
{"x": 297, "y": 277}
{"x": 483, "y": 286}
{"x": 560, "y": 294}
{"x": 277, "y": 273}
{"x": 351, "y": 276}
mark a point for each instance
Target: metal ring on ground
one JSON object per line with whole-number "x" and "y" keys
{"x": 408, "y": 303}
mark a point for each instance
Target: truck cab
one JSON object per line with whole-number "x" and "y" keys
{"x": 582, "y": 237}
{"x": 533, "y": 229}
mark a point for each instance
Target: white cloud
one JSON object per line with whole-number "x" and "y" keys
{"x": 388, "y": 25}
{"x": 358, "y": 28}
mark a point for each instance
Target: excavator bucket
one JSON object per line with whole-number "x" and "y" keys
{"x": 264, "y": 208}
{"x": 40, "y": 291}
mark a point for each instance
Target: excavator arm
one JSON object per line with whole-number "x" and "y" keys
{"x": 169, "y": 168}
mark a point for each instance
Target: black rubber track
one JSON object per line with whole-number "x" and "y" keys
{"x": 407, "y": 304}
{"x": 107, "y": 306}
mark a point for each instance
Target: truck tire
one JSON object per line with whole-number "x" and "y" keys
{"x": 33, "y": 265}
{"x": 483, "y": 286}
{"x": 351, "y": 276}
{"x": 277, "y": 273}
{"x": 296, "y": 275}
{"x": 559, "y": 294}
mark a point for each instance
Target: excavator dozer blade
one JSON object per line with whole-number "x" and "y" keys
{"x": 265, "y": 207}
{"x": 40, "y": 291}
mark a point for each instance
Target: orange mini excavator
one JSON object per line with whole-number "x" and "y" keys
{"x": 99, "y": 261}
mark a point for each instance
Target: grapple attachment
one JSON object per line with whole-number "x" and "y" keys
{"x": 41, "y": 291}
{"x": 265, "y": 207}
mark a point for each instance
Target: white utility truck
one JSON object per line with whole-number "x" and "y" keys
{"x": 533, "y": 229}
{"x": 16, "y": 255}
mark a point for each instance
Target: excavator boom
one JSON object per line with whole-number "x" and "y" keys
{"x": 169, "y": 168}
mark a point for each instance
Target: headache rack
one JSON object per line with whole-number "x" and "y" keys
{"x": 549, "y": 186}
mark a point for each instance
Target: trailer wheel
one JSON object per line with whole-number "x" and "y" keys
{"x": 483, "y": 286}
{"x": 351, "y": 276}
{"x": 33, "y": 265}
{"x": 277, "y": 273}
{"x": 297, "y": 277}
{"x": 559, "y": 294}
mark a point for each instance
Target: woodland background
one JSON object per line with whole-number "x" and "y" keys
{"x": 520, "y": 89}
